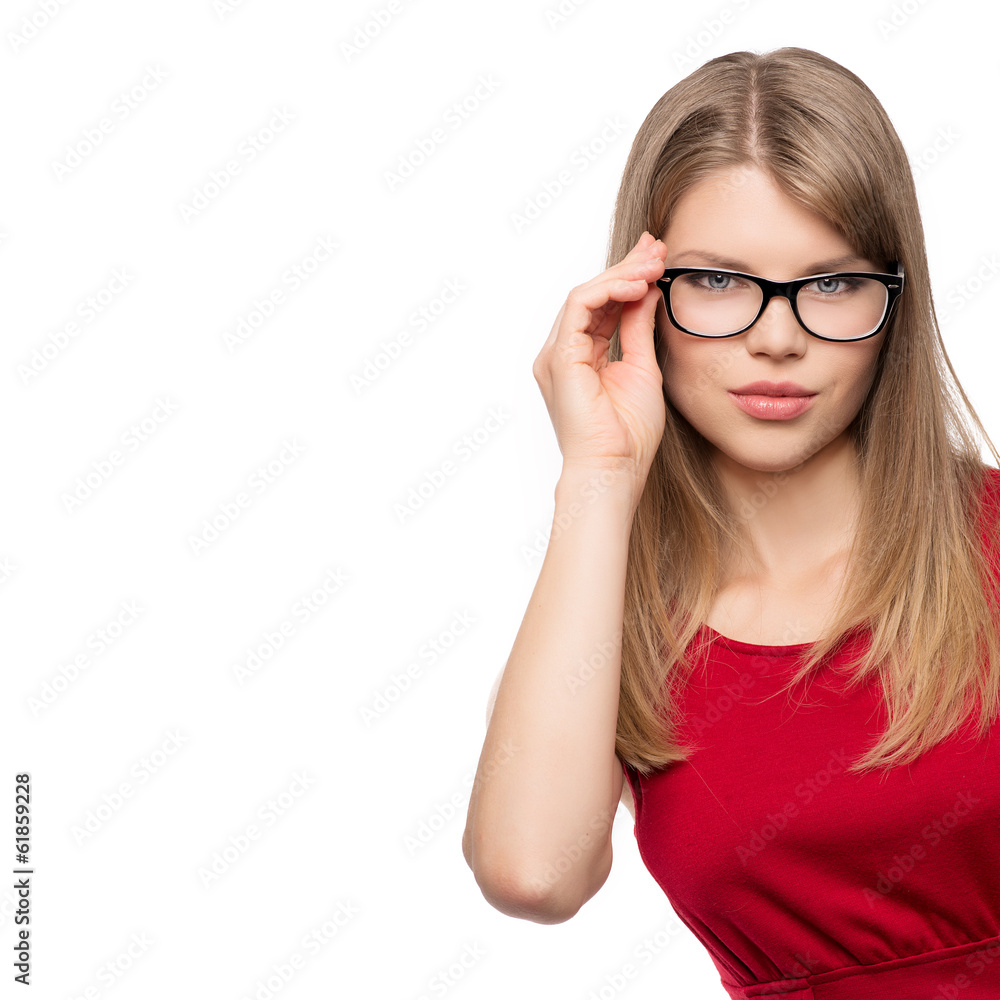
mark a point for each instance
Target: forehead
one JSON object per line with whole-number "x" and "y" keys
{"x": 707, "y": 258}
{"x": 738, "y": 218}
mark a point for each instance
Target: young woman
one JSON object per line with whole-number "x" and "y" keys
{"x": 767, "y": 616}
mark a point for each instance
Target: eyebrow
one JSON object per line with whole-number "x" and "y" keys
{"x": 848, "y": 261}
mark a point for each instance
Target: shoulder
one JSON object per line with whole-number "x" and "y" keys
{"x": 989, "y": 495}
{"x": 991, "y": 481}
{"x": 990, "y": 485}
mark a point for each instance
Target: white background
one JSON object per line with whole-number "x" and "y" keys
{"x": 161, "y": 710}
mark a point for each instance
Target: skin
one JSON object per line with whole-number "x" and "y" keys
{"x": 798, "y": 476}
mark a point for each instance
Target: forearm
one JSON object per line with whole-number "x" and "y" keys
{"x": 539, "y": 823}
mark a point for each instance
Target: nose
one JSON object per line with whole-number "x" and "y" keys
{"x": 777, "y": 329}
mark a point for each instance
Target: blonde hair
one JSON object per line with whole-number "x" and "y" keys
{"x": 920, "y": 584}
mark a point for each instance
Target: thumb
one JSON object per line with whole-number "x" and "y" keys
{"x": 637, "y": 328}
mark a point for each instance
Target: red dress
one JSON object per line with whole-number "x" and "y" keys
{"x": 805, "y": 882}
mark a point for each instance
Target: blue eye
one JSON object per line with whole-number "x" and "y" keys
{"x": 717, "y": 282}
{"x": 846, "y": 285}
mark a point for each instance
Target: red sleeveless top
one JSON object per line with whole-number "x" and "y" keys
{"x": 808, "y": 883}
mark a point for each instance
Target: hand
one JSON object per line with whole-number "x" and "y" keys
{"x": 608, "y": 415}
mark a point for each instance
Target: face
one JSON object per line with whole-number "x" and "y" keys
{"x": 739, "y": 219}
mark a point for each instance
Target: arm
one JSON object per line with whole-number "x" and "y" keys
{"x": 538, "y": 831}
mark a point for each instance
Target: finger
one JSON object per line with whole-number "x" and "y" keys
{"x": 646, "y": 249}
{"x": 638, "y": 263}
{"x": 636, "y": 333}
{"x": 584, "y": 302}
{"x": 645, "y": 240}
{"x": 643, "y": 272}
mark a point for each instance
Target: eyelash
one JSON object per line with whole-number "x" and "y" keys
{"x": 848, "y": 284}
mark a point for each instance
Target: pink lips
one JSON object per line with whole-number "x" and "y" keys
{"x": 772, "y": 407}
{"x": 772, "y": 400}
{"x": 764, "y": 388}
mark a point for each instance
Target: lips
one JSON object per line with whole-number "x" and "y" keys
{"x": 772, "y": 407}
{"x": 764, "y": 388}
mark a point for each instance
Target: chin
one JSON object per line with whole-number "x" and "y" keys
{"x": 771, "y": 446}
{"x": 767, "y": 462}
{"x": 755, "y": 453}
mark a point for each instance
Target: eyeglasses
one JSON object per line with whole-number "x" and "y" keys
{"x": 840, "y": 306}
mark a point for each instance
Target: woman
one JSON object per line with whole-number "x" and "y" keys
{"x": 768, "y": 625}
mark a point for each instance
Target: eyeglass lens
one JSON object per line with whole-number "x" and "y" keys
{"x": 718, "y": 304}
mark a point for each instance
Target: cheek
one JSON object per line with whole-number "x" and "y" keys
{"x": 696, "y": 369}
{"x": 697, "y": 372}
{"x": 853, "y": 375}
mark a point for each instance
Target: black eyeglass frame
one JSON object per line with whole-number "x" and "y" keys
{"x": 788, "y": 290}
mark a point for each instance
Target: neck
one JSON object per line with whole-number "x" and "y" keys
{"x": 797, "y": 519}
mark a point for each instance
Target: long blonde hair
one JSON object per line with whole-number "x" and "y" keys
{"x": 921, "y": 584}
